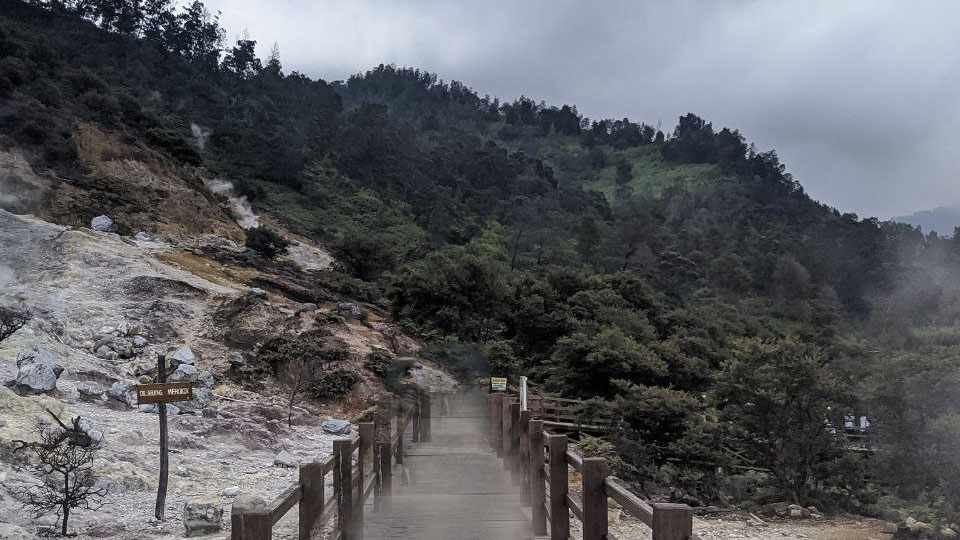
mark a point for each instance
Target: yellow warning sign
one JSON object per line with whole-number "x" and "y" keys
{"x": 498, "y": 384}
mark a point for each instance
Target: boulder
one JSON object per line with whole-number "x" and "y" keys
{"x": 183, "y": 373}
{"x": 142, "y": 237}
{"x": 122, "y": 328}
{"x": 106, "y": 330}
{"x": 101, "y": 223}
{"x": 795, "y": 511}
{"x": 105, "y": 352}
{"x": 183, "y": 355}
{"x": 236, "y": 359}
{"x": 125, "y": 349}
{"x": 202, "y": 516}
{"x": 246, "y": 502}
{"x": 284, "y": 459}
{"x": 947, "y": 532}
{"x": 335, "y": 426}
{"x": 90, "y": 391}
{"x": 124, "y": 392}
{"x": 139, "y": 342}
{"x": 231, "y": 491}
{"x": 257, "y": 292}
{"x": 38, "y": 370}
{"x": 172, "y": 239}
{"x": 350, "y": 310}
{"x": 305, "y": 308}
{"x": 206, "y": 379}
{"x": 918, "y": 526}
{"x": 142, "y": 367}
{"x": 92, "y": 430}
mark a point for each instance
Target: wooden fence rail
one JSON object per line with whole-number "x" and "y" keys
{"x": 543, "y": 460}
{"x": 377, "y": 447}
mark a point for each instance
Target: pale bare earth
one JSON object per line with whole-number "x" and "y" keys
{"x": 76, "y": 281}
{"x": 741, "y": 527}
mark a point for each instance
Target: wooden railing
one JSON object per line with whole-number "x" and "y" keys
{"x": 564, "y": 413}
{"x": 377, "y": 450}
{"x": 540, "y": 462}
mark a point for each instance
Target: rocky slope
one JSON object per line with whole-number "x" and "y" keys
{"x": 104, "y": 305}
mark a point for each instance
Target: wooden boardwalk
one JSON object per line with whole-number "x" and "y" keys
{"x": 454, "y": 487}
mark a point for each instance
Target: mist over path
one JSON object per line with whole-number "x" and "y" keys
{"x": 457, "y": 489}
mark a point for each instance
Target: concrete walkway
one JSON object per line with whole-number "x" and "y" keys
{"x": 457, "y": 487}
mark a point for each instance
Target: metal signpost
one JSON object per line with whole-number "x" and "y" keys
{"x": 161, "y": 394}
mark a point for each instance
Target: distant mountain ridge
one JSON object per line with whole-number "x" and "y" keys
{"x": 943, "y": 220}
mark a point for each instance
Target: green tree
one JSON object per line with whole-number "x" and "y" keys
{"x": 786, "y": 408}
{"x": 586, "y": 364}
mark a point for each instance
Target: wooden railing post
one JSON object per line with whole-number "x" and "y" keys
{"x": 523, "y": 458}
{"x": 386, "y": 465}
{"x": 507, "y": 429}
{"x": 416, "y": 419}
{"x": 343, "y": 486}
{"x": 400, "y": 430}
{"x": 311, "y": 501}
{"x": 386, "y": 472}
{"x": 444, "y": 406}
{"x": 671, "y": 521}
{"x": 538, "y": 495}
{"x": 257, "y": 525}
{"x": 496, "y": 423}
{"x": 426, "y": 414}
{"x": 515, "y": 443}
{"x": 368, "y": 435}
{"x": 595, "y": 471}
{"x": 559, "y": 515}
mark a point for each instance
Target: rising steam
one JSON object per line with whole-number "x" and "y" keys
{"x": 239, "y": 206}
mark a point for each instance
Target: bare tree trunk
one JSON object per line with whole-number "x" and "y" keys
{"x": 66, "y": 504}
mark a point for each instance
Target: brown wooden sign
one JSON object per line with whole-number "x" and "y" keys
{"x": 164, "y": 392}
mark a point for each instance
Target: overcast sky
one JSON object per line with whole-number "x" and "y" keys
{"x": 861, "y": 99}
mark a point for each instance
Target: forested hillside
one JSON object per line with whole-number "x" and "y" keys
{"x": 682, "y": 274}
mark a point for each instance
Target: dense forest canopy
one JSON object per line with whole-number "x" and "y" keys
{"x": 683, "y": 275}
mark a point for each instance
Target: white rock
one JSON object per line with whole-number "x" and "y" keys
{"x": 101, "y": 223}
{"x": 38, "y": 370}
{"x": 231, "y": 491}
{"x": 284, "y": 459}
{"x": 183, "y": 355}
{"x": 91, "y": 429}
{"x": 183, "y": 373}
{"x": 236, "y": 359}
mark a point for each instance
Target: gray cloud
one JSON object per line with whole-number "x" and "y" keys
{"x": 858, "y": 97}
